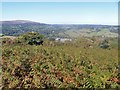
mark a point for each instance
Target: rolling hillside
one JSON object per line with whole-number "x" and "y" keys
{"x": 18, "y": 27}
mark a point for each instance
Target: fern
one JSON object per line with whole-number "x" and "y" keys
{"x": 88, "y": 83}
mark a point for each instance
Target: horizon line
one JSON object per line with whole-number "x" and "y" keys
{"x": 59, "y": 23}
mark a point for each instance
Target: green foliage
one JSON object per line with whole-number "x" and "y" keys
{"x": 32, "y": 38}
{"x": 78, "y": 64}
{"x": 104, "y": 44}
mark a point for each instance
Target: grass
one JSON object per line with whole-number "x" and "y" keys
{"x": 87, "y": 33}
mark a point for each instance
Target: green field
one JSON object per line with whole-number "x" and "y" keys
{"x": 87, "y": 33}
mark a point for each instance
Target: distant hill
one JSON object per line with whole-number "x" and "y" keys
{"x": 14, "y": 22}
{"x": 17, "y": 27}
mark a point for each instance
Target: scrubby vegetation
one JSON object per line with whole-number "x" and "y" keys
{"x": 81, "y": 63}
{"x": 31, "y": 38}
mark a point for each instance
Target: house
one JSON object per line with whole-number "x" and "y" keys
{"x": 62, "y": 39}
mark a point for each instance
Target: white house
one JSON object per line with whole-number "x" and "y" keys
{"x": 63, "y": 39}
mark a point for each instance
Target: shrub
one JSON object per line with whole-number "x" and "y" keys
{"x": 104, "y": 44}
{"x": 32, "y": 38}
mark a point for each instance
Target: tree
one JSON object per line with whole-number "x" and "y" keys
{"x": 104, "y": 44}
{"x": 32, "y": 38}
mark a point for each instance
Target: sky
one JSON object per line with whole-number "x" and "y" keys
{"x": 60, "y": 0}
{"x": 105, "y": 13}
